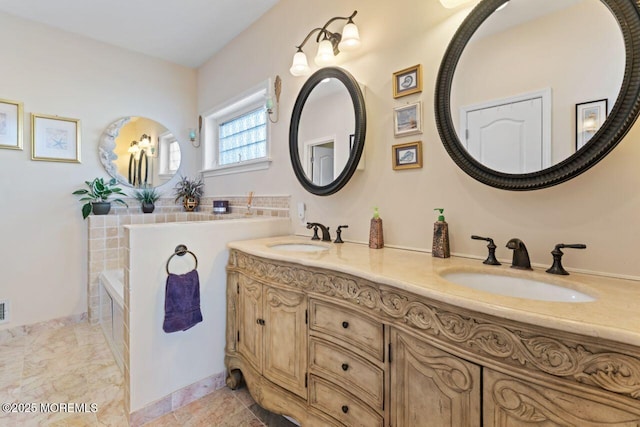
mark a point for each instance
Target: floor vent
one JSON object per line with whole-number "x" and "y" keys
{"x": 4, "y": 311}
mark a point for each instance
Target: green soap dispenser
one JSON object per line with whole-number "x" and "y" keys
{"x": 440, "y": 247}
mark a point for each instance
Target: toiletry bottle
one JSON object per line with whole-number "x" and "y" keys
{"x": 440, "y": 237}
{"x": 376, "y": 241}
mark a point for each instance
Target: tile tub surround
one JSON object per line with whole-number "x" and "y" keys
{"x": 106, "y": 248}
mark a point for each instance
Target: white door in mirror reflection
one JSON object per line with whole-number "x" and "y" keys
{"x": 319, "y": 160}
{"x": 509, "y": 135}
{"x": 322, "y": 164}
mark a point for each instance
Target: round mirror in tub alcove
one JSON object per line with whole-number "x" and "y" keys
{"x": 327, "y": 131}
{"x": 531, "y": 93}
{"x": 139, "y": 152}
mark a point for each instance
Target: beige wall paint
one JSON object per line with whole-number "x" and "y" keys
{"x": 43, "y": 255}
{"x": 599, "y": 208}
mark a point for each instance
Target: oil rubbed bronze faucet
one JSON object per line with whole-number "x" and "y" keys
{"x": 557, "y": 268}
{"x": 326, "y": 237}
{"x": 520, "y": 254}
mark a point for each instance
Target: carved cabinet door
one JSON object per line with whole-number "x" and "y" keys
{"x": 430, "y": 387}
{"x": 250, "y": 338}
{"x": 514, "y": 402}
{"x": 285, "y": 339}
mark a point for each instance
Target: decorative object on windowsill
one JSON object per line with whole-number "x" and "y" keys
{"x": 147, "y": 198}
{"x": 407, "y": 81}
{"x": 220, "y": 206}
{"x": 277, "y": 89}
{"x": 97, "y": 197}
{"x": 329, "y": 45}
{"x": 376, "y": 239}
{"x": 190, "y": 191}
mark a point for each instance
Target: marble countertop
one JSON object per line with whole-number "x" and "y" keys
{"x": 614, "y": 315}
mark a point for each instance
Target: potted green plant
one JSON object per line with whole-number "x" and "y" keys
{"x": 97, "y": 196}
{"x": 190, "y": 191}
{"x": 147, "y": 198}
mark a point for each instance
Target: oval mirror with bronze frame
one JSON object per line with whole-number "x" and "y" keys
{"x": 139, "y": 152}
{"x": 617, "y": 124}
{"x": 330, "y": 100}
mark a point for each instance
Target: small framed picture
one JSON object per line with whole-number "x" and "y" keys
{"x": 407, "y": 156}
{"x": 407, "y": 120}
{"x": 589, "y": 117}
{"x": 55, "y": 139}
{"x": 407, "y": 81}
{"x": 11, "y": 124}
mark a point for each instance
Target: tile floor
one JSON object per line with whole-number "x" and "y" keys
{"x": 73, "y": 363}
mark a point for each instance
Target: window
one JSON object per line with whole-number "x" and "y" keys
{"x": 168, "y": 155}
{"x": 243, "y": 138}
{"x": 174, "y": 156}
{"x": 236, "y": 134}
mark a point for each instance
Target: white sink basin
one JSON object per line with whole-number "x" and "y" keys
{"x": 517, "y": 287}
{"x": 299, "y": 247}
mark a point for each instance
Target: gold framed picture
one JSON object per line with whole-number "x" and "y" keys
{"x": 55, "y": 139}
{"x": 407, "y": 156}
{"x": 11, "y": 113}
{"x": 407, "y": 81}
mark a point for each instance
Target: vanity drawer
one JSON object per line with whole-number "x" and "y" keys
{"x": 341, "y": 405}
{"x": 346, "y": 325}
{"x": 348, "y": 370}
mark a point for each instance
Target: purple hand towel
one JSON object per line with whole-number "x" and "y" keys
{"x": 182, "y": 302}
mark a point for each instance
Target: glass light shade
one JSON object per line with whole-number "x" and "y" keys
{"x": 300, "y": 66}
{"x": 350, "y": 38}
{"x": 134, "y": 149}
{"x": 450, "y": 4}
{"x": 325, "y": 54}
{"x": 145, "y": 143}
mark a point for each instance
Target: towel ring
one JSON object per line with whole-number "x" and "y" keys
{"x": 181, "y": 250}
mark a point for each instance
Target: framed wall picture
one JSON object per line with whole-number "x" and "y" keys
{"x": 407, "y": 81}
{"x": 55, "y": 139}
{"x": 407, "y": 120}
{"x": 11, "y": 113}
{"x": 407, "y": 156}
{"x": 589, "y": 117}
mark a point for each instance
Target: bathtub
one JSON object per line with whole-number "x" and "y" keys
{"x": 112, "y": 311}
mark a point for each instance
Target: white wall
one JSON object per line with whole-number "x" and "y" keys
{"x": 162, "y": 363}
{"x": 43, "y": 255}
{"x": 599, "y": 208}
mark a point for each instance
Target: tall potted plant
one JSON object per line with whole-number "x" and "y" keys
{"x": 190, "y": 191}
{"x": 147, "y": 198}
{"x": 97, "y": 196}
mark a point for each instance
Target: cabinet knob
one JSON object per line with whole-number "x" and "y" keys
{"x": 345, "y": 409}
{"x": 345, "y": 325}
{"x": 345, "y": 366}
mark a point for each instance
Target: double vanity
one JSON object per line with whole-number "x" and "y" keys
{"x": 345, "y": 335}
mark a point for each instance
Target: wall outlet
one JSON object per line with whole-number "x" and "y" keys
{"x": 301, "y": 211}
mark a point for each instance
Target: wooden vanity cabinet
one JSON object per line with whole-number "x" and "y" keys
{"x": 272, "y": 333}
{"x": 431, "y": 388}
{"x": 331, "y": 349}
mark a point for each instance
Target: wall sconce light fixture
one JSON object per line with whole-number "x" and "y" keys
{"x": 277, "y": 89}
{"x": 329, "y": 45}
{"x": 138, "y": 158}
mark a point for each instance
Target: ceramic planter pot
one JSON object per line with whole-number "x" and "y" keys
{"x": 101, "y": 208}
{"x": 148, "y": 207}
{"x": 190, "y": 203}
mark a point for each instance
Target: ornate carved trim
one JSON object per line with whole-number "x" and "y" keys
{"x": 476, "y": 333}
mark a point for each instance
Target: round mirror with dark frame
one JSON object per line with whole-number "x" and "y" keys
{"x": 327, "y": 131}
{"x": 139, "y": 152}
{"x": 575, "y": 124}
